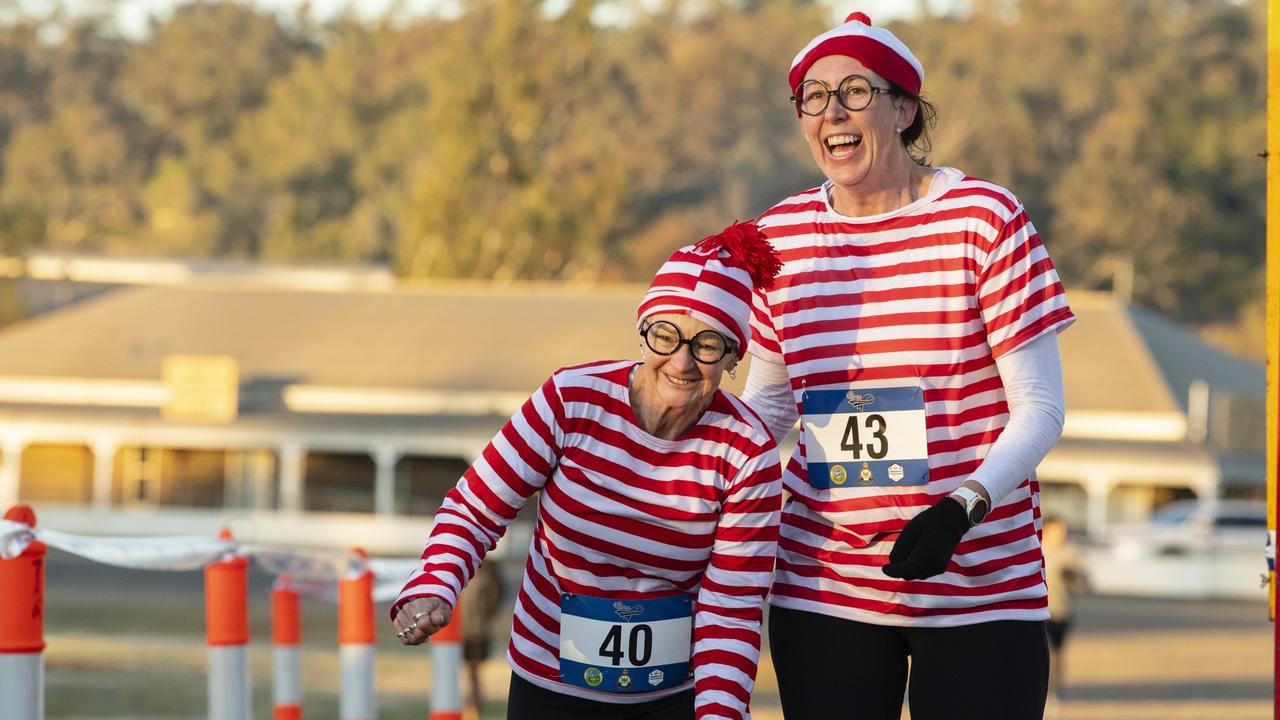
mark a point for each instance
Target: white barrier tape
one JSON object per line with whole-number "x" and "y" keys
{"x": 1271, "y": 550}
{"x": 313, "y": 574}
{"x": 161, "y": 553}
{"x": 14, "y": 538}
{"x": 390, "y": 575}
{"x": 299, "y": 566}
{"x": 190, "y": 552}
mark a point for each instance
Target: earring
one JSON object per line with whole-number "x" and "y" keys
{"x": 898, "y": 130}
{"x": 733, "y": 372}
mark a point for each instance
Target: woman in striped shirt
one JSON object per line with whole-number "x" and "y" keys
{"x": 657, "y": 525}
{"x": 912, "y": 331}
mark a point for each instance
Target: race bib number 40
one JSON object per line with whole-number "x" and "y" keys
{"x": 625, "y": 646}
{"x": 866, "y": 437}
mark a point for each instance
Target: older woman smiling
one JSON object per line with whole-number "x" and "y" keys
{"x": 657, "y": 525}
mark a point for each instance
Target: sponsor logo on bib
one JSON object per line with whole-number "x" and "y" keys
{"x": 860, "y": 401}
{"x": 838, "y": 475}
{"x": 627, "y": 612}
{"x": 865, "y": 477}
{"x": 593, "y": 676}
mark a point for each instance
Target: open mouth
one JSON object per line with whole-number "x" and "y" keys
{"x": 843, "y": 145}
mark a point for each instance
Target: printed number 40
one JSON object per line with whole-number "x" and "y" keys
{"x": 851, "y": 440}
{"x": 639, "y": 645}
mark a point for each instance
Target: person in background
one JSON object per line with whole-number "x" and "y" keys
{"x": 657, "y": 524}
{"x": 482, "y": 598}
{"x": 913, "y": 332}
{"x": 1066, "y": 577}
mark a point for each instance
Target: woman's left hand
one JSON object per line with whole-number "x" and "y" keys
{"x": 421, "y": 618}
{"x": 928, "y": 541}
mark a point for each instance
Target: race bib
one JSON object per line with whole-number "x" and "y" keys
{"x": 625, "y": 645}
{"x": 865, "y": 437}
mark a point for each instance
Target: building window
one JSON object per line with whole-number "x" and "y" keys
{"x": 141, "y": 475}
{"x": 421, "y": 483}
{"x": 250, "y": 480}
{"x": 337, "y": 482}
{"x": 57, "y": 474}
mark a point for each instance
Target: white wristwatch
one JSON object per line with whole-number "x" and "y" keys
{"x": 975, "y": 506}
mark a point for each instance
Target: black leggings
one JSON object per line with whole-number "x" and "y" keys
{"x": 842, "y": 669}
{"x": 526, "y": 701}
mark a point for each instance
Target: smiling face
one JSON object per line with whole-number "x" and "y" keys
{"x": 860, "y": 152}
{"x": 677, "y": 382}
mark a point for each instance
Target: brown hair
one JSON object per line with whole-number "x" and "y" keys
{"x": 917, "y": 137}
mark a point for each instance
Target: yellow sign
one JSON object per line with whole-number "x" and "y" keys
{"x": 202, "y": 388}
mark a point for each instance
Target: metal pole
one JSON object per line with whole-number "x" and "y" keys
{"x": 227, "y": 635}
{"x": 286, "y": 632}
{"x": 22, "y": 627}
{"x": 446, "y": 662}
{"x": 356, "y": 640}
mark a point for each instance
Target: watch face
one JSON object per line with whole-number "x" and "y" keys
{"x": 977, "y": 510}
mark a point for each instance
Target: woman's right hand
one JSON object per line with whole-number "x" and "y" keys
{"x": 421, "y": 618}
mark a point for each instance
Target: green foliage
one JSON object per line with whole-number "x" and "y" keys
{"x": 513, "y": 142}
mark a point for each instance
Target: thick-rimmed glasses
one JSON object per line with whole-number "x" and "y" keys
{"x": 854, "y": 93}
{"x": 708, "y": 347}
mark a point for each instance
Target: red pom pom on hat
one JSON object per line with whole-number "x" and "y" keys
{"x": 748, "y": 249}
{"x": 713, "y": 281}
{"x": 860, "y": 17}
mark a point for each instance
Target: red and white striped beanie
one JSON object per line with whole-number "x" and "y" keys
{"x": 713, "y": 279}
{"x": 874, "y": 47}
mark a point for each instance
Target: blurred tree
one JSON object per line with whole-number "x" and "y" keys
{"x": 81, "y": 164}
{"x": 523, "y": 170}
{"x": 714, "y": 137}
{"x": 1132, "y": 142}
{"x": 525, "y": 140}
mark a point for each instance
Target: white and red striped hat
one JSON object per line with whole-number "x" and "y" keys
{"x": 713, "y": 279}
{"x": 876, "y": 48}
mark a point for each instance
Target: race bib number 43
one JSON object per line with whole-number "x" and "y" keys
{"x": 866, "y": 437}
{"x": 625, "y": 646}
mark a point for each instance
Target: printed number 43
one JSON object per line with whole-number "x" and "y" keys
{"x": 639, "y": 645}
{"x": 851, "y": 441}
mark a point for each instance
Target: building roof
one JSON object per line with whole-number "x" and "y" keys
{"x": 456, "y": 336}
{"x": 1123, "y": 358}
{"x": 464, "y": 337}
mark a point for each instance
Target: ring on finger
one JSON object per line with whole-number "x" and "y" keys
{"x": 418, "y": 616}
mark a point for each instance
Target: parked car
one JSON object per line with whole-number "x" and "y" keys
{"x": 1188, "y": 548}
{"x": 1188, "y": 527}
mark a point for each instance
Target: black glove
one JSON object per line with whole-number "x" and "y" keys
{"x": 928, "y": 541}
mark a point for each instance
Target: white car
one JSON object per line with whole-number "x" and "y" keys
{"x": 1188, "y": 548}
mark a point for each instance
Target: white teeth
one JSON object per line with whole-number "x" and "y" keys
{"x": 843, "y": 146}
{"x": 678, "y": 381}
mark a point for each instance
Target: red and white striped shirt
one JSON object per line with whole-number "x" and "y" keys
{"x": 928, "y": 295}
{"x": 623, "y": 514}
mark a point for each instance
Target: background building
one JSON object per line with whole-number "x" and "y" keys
{"x": 336, "y": 413}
